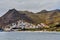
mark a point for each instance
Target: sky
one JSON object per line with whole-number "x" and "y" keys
{"x": 30, "y": 5}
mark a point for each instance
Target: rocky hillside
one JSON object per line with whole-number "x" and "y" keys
{"x": 50, "y": 17}
{"x": 44, "y": 16}
{"x": 13, "y": 16}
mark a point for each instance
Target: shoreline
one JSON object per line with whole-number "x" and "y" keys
{"x": 34, "y": 31}
{"x": 29, "y": 32}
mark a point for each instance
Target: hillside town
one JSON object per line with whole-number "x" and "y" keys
{"x": 20, "y": 25}
{"x": 15, "y": 20}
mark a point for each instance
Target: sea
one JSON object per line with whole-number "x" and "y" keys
{"x": 29, "y": 35}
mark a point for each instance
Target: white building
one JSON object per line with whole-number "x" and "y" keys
{"x": 38, "y": 26}
{"x": 14, "y": 25}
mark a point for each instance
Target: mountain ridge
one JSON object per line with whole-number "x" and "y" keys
{"x": 44, "y": 16}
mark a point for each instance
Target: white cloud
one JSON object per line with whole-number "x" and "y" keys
{"x": 31, "y": 5}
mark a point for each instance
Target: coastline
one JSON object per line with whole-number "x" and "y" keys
{"x": 33, "y": 31}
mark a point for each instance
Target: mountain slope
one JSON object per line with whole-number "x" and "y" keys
{"x": 47, "y": 17}
{"x": 13, "y": 16}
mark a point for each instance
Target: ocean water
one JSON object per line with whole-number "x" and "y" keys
{"x": 29, "y": 35}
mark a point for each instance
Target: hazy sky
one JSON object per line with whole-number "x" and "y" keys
{"x": 30, "y": 5}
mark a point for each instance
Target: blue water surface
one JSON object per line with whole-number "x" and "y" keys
{"x": 29, "y": 35}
